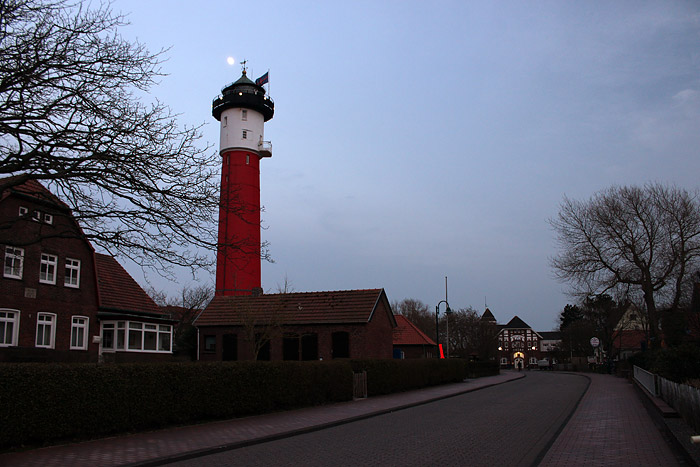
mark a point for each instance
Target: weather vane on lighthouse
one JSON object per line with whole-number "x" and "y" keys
{"x": 244, "y": 67}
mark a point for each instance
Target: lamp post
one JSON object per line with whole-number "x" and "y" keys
{"x": 437, "y": 325}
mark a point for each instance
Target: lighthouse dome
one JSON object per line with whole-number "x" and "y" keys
{"x": 243, "y": 93}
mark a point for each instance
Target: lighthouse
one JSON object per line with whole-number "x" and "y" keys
{"x": 242, "y": 110}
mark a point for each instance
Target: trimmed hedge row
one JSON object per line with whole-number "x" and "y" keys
{"x": 678, "y": 364}
{"x": 43, "y": 402}
{"x": 40, "y": 403}
{"x": 387, "y": 376}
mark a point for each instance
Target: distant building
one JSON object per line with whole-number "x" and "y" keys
{"x": 411, "y": 342}
{"x": 61, "y": 301}
{"x": 297, "y": 326}
{"x": 519, "y": 346}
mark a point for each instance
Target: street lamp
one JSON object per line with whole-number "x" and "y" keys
{"x": 437, "y": 326}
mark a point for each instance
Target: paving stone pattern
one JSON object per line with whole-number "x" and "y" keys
{"x": 506, "y": 425}
{"x": 611, "y": 427}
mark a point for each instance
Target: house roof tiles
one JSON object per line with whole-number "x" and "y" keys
{"x": 407, "y": 333}
{"x": 299, "y": 308}
{"x": 118, "y": 291}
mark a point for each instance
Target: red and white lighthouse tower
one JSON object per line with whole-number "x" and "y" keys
{"x": 242, "y": 110}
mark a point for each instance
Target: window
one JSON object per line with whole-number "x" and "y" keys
{"x": 138, "y": 337}
{"x": 45, "y": 330}
{"x": 72, "y": 273}
{"x": 225, "y": 121}
{"x": 504, "y": 361}
{"x": 210, "y": 343}
{"x": 245, "y": 134}
{"x": 78, "y": 333}
{"x": 48, "y": 218}
{"x": 247, "y": 159}
{"x": 47, "y": 272}
{"x": 341, "y": 344}
{"x": 229, "y": 347}
{"x": 9, "y": 327}
{"x": 36, "y": 216}
{"x": 14, "y": 261}
{"x": 533, "y": 361}
{"x": 244, "y": 115}
{"x": 23, "y": 211}
{"x": 135, "y": 336}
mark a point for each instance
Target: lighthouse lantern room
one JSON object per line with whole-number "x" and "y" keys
{"x": 242, "y": 110}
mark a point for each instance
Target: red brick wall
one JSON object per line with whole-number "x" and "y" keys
{"x": 63, "y": 301}
{"x": 370, "y": 340}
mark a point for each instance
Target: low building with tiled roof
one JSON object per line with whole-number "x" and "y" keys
{"x": 297, "y": 326}
{"x": 61, "y": 301}
{"x": 411, "y": 342}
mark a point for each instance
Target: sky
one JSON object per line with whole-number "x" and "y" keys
{"x": 414, "y": 141}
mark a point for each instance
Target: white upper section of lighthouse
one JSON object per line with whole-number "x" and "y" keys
{"x": 241, "y": 128}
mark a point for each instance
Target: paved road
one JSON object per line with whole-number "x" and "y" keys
{"x": 510, "y": 424}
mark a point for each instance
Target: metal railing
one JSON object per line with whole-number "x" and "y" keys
{"x": 646, "y": 379}
{"x": 682, "y": 397}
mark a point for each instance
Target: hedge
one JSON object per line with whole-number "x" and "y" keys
{"x": 44, "y": 403}
{"x": 387, "y": 376}
{"x": 679, "y": 364}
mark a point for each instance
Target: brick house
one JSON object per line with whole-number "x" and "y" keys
{"x": 411, "y": 342}
{"x": 297, "y": 326}
{"x": 56, "y": 293}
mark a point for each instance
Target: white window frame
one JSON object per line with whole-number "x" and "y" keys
{"x": 36, "y": 215}
{"x": 48, "y": 218}
{"x": 46, "y": 320}
{"x": 15, "y": 255}
{"x": 23, "y": 211}
{"x": 79, "y": 323}
{"x": 48, "y": 275}
{"x": 11, "y": 316}
{"x": 132, "y": 336}
{"x": 71, "y": 277}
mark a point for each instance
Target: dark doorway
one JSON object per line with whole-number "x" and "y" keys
{"x": 230, "y": 347}
{"x": 290, "y": 347}
{"x": 263, "y": 344}
{"x": 309, "y": 347}
{"x": 341, "y": 344}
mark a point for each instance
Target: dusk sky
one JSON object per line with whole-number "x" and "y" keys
{"x": 418, "y": 140}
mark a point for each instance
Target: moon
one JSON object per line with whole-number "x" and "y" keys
{"x": 230, "y": 60}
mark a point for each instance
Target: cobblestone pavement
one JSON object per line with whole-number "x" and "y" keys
{"x": 506, "y": 425}
{"x": 610, "y": 427}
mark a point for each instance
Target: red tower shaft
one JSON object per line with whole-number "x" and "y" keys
{"x": 238, "y": 258}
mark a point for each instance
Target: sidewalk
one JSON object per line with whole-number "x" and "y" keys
{"x": 169, "y": 445}
{"x": 611, "y": 427}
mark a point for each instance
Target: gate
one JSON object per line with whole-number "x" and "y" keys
{"x": 359, "y": 385}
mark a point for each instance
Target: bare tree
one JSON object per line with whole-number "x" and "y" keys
{"x": 70, "y": 117}
{"x": 644, "y": 238}
{"x": 184, "y": 308}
